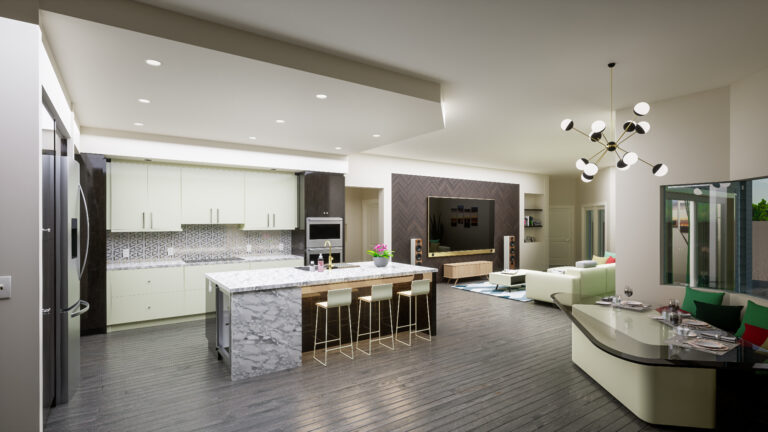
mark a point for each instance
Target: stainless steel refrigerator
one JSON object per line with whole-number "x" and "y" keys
{"x": 62, "y": 225}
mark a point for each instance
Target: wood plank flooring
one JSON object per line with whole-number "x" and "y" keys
{"x": 495, "y": 365}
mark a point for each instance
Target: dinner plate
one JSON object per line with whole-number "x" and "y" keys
{"x": 696, "y": 323}
{"x": 709, "y": 344}
{"x": 633, "y": 303}
{"x": 604, "y": 303}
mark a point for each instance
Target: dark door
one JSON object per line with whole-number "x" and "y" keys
{"x": 49, "y": 282}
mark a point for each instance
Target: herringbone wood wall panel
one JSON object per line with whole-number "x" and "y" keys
{"x": 409, "y": 214}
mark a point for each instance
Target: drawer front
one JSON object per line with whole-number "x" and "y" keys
{"x": 145, "y": 307}
{"x": 146, "y": 281}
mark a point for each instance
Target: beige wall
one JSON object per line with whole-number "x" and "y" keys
{"x": 749, "y": 111}
{"x": 690, "y": 134}
{"x": 20, "y": 391}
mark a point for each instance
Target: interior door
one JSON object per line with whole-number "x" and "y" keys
{"x": 370, "y": 227}
{"x": 561, "y": 236}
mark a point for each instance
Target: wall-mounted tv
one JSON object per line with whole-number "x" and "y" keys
{"x": 460, "y": 226}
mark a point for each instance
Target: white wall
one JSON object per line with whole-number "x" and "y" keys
{"x": 690, "y": 134}
{"x": 20, "y": 318}
{"x": 176, "y": 149}
{"x": 749, "y": 111}
{"x": 376, "y": 172}
{"x": 55, "y": 91}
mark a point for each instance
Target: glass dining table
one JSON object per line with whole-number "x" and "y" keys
{"x": 662, "y": 374}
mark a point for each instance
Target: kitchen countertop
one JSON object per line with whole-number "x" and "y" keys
{"x": 259, "y": 280}
{"x": 135, "y": 265}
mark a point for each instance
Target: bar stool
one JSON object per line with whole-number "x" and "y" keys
{"x": 418, "y": 288}
{"x": 379, "y": 293}
{"x": 336, "y": 299}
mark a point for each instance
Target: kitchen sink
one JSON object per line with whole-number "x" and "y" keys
{"x": 335, "y": 267}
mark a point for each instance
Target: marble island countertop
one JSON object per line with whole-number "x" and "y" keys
{"x": 178, "y": 262}
{"x": 259, "y": 280}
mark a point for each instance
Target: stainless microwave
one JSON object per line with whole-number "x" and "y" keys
{"x": 324, "y": 229}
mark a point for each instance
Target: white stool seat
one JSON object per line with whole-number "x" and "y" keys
{"x": 418, "y": 288}
{"x": 336, "y": 299}
{"x": 379, "y": 294}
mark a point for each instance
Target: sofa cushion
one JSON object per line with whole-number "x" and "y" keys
{"x": 755, "y": 315}
{"x": 755, "y": 335}
{"x": 599, "y": 259}
{"x": 691, "y": 295}
{"x": 592, "y": 280}
{"x": 586, "y": 264}
{"x": 726, "y": 318}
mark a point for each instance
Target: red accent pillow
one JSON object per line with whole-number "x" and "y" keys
{"x": 754, "y": 334}
{"x": 610, "y": 260}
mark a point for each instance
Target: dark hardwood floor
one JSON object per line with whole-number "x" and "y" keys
{"x": 496, "y": 364}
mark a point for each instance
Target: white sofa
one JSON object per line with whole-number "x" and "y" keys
{"x": 599, "y": 280}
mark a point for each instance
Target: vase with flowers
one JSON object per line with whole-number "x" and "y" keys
{"x": 381, "y": 255}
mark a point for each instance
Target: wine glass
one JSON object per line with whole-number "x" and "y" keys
{"x": 628, "y": 291}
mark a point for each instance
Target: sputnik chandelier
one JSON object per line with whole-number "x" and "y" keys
{"x": 597, "y": 134}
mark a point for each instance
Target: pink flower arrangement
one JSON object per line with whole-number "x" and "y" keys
{"x": 381, "y": 251}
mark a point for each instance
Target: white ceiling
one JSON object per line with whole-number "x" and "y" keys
{"x": 206, "y": 94}
{"x": 511, "y": 70}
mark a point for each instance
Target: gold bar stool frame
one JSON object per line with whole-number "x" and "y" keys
{"x": 336, "y": 299}
{"x": 379, "y": 293}
{"x": 418, "y": 288}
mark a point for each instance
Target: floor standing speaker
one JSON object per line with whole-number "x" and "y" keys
{"x": 510, "y": 253}
{"x": 417, "y": 257}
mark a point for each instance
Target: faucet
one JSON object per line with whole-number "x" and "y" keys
{"x": 330, "y": 257}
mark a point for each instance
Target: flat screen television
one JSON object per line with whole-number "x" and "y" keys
{"x": 460, "y": 226}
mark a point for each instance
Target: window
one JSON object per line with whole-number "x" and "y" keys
{"x": 714, "y": 234}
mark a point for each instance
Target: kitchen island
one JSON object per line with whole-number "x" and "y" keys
{"x": 265, "y": 318}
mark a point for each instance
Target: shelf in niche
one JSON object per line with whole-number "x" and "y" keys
{"x": 533, "y": 209}
{"x": 535, "y": 226}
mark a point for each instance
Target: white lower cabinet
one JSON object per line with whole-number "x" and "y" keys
{"x": 144, "y": 294}
{"x": 169, "y": 292}
{"x": 195, "y": 291}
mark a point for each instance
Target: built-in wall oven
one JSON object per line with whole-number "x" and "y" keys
{"x": 324, "y": 229}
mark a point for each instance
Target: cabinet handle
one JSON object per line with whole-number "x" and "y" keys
{"x": 267, "y": 220}
{"x": 211, "y": 214}
{"x": 217, "y": 215}
{"x": 273, "y": 220}
{"x": 143, "y": 220}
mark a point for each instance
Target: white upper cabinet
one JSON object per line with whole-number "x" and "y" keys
{"x": 270, "y": 201}
{"x": 144, "y": 197}
{"x": 212, "y": 196}
{"x": 164, "y": 197}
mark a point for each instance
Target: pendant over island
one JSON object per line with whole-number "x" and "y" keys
{"x": 265, "y": 318}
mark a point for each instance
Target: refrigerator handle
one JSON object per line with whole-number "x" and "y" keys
{"x": 84, "y": 307}
{"x": 87, "y": 231}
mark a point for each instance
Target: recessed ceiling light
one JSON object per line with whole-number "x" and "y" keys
{"x": 251, "y": 137}
{"x": 321, "y": 96}
{"x": 142, "y": 100}
{"x": 376, "y": 135}
{"x": 138, "y": 124}
{"x": 279, "y": 121}
{"x": 338, "y": 148}
{"x": 152, "y": 62}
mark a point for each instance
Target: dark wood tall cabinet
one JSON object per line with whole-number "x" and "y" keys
{"x": 320, "y": 195}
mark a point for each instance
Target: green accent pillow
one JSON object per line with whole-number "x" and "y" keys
{"x": 755, "y": 315}
{"x": 726, "y": 318}
{"x": 691, "y": 295}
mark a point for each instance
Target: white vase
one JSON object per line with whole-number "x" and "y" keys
{"x": 380, "y": 261}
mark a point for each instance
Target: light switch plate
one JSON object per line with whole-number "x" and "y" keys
{"x": 170, "y": 251}
{"x": 5, "y": 287}
{"x": 248, "y": 248}
{"x": 126, "y": 253}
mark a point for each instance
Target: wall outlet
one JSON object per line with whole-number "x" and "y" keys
{"x": 170, "y": 251}
{"x": 5, "y": 287}
{"x": 126, "y": 253}
{"x": 248, "y": 248}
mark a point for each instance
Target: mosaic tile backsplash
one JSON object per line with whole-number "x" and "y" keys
{"x": 197, "y": 241}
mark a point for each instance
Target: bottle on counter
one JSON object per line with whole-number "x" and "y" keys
{"x": 312, "y": 266}
{"x": 320, "y": 263}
